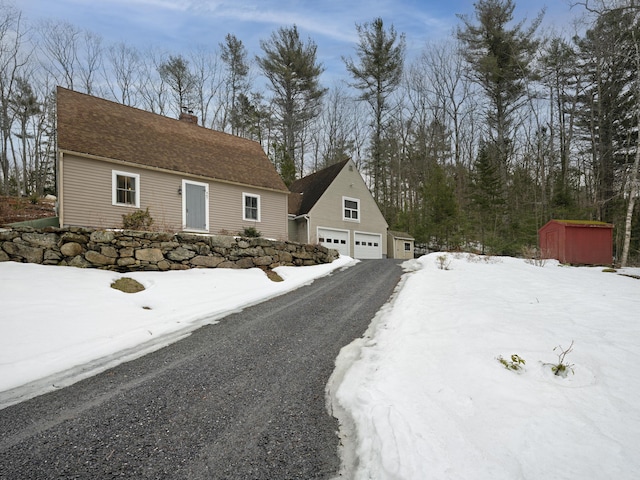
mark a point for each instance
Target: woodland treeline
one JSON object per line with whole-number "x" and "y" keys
{"x": 476, "y": 143}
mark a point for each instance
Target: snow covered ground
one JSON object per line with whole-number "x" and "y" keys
{"x": 424, "y": 388}
{"x": 60, "y": 325}
{"x": 431, "y": 401}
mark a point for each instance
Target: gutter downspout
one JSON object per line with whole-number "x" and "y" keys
{"x": 60, "y": 192}
{"x": 306, "y": 217}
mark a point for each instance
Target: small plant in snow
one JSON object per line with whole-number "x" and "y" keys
{"x": 562, "y": 368}
{"x": 516, "y": 363}
{"x": 533, "y": 256}
{"x": 443, "y": 262}
{"x": 490, "y": 259}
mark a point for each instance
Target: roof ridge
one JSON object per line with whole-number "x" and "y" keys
{"x": 111, "y": 130}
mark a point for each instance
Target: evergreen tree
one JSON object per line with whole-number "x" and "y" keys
{"x": 377, "y": 75}
{"x": 234, "y": 54}
{"x": 487, "y": 197}
{"x": 291, "y": 67}
{"x": 608, "y": 103}
{"x": 500, "y": 59}
{"x": 175, "y": 72}
{"x": 441, "y": 208}
{"x": 25, "y": 105}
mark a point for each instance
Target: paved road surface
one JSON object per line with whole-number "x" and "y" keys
{"x": 243, "y": 399}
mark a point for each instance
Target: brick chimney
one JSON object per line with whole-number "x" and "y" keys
{"x": 188, "y": 116}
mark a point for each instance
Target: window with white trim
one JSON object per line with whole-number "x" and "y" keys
{"x": 251, "y": 207}
{"x": 351, "y": 209}
{"x": 125, "y": 189}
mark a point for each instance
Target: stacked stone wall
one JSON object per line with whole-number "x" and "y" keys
{"x": 130, "y": 251}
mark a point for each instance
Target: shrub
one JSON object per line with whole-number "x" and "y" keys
{"x": 251, "y": 232}
{"x": 443, "y": 262}
{"x": 533, "y": 256}
{"x": 138, "y": 220}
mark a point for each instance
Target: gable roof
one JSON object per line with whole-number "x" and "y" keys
{"x": 400, "y": 235}
{"x": 311, "y": 188}
{"x": 94, "y": 126}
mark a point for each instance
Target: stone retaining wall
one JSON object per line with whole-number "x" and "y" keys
{"x": 130, "y": 251}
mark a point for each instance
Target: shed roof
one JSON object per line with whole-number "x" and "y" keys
{"x": 94, "y": 126}
{"x": 400, "y": 235}
{"x": 580, "y": 223}
{"x": 311, "y": 188}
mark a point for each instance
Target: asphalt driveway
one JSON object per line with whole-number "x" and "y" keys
{"x": 243, "y": 399}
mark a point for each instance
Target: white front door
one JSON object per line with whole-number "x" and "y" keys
{"x": 367, "y": 245}
{"x": 195, "y": 206}
{"x": 336, "y": 239}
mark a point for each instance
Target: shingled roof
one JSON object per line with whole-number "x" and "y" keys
{"x": 94, "y": 126}
{"x": 311, "y": 188}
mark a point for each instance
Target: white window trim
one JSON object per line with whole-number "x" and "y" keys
{"x": 244, "y": 207}
{"x": 184, "y": 206}
{"x": 114, "y": 188}
{"x": 344, "y": 218}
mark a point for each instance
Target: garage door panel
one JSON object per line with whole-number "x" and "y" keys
{"x": 367, "y": 245}
{"x": 336, "y": 239}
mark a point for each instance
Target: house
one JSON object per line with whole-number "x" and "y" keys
{"x": 333, "y": 207}
{"x": 114, "y": 160}
{"x": 400, "y": 245}
{"x": 579, "y": 242}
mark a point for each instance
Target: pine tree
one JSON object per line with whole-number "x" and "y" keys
{"x": 291, "y": 67}
{"x": 500, "y": 59}
{"x": 487, "y": 197}
{"x": 175, "y": 72}
{"x": 377, "y": 75}
{"x": 234, "y": 54}
{"x": 607, "y": 114}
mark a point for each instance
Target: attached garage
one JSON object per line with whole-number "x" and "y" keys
{"x": 367, "y": 245}
{"x": 336, "y": 239}
{"x": 333, "y": 207}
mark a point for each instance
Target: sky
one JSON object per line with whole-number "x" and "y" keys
{"x": 422, "y": 394}
{"x": 180, "y": 25}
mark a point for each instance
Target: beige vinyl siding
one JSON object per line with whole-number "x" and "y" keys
{"x": 397, "y": 250}
{"x": 226, "y": 207}
{"x": 87, "y": 195}
{"x": 327, "y": 212}
{"x": 87, "y": 199}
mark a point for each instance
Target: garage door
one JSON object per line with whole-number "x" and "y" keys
{"x": 367, "y": 245}
{"x": 337, "y": 239}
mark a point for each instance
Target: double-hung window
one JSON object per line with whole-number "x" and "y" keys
{"x": 350, "y": 209}
{"x": 251, "y": 207}
{"x": 125, "y": 189}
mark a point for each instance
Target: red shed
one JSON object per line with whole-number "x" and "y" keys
{"x": 580, "y": 242}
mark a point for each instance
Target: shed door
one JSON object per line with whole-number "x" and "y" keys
{"x": 195, "y": 215}
{"x": 367, "y": 245}
{"x": 336, "y": 239}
